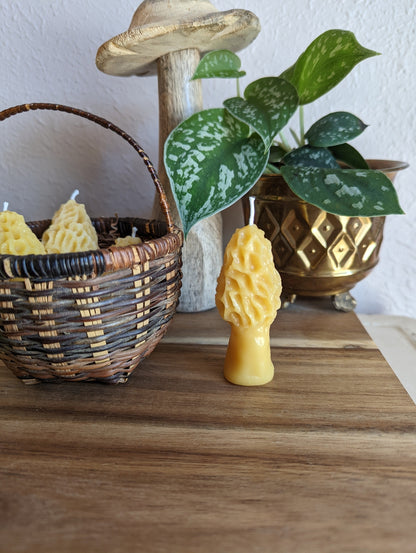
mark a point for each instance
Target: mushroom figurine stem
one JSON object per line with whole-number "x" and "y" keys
{"x": 179, "y": 98}
{"x": 167, "y": 38}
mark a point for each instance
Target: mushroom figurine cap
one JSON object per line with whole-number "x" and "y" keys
{"x": 160, "y": 27}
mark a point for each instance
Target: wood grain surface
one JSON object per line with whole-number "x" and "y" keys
{"x": 322, "y": 459}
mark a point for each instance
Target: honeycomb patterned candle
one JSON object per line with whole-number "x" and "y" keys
{"x": 71, "y": 229}
{"x": 16, "y": 238}
{"x": 248, "y": 297}
{"x": 129, "y": 240}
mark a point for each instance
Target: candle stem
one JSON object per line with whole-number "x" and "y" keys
{"x": 248, "y": 359}
{"x": 5, "y": 206}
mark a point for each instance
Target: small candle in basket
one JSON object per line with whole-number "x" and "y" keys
{"x": 71, "y": 229}
{"x": 129, "y": 240}
{"x": 16, "y": 238}
{"x": 248, "y": 297}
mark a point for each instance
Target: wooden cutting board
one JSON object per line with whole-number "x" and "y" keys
{"x": 322, "y": 459}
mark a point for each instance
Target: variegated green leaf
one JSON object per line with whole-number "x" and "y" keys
{"x": 335, "y": 128}
{"x": 211, "y": 161}
{"x": 349, "y": 155}
{"x": 267, "y": 106}
{"x": 326, "y": 61}
{"x": 288, "y": 74}
{"x": 219, "y": 63}
{"x": 351, "y": 192}
{"x": 310, "y": 156}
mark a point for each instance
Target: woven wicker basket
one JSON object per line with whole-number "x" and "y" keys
{"x": 90, "y": 316}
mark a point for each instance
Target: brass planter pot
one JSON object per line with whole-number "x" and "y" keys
{"x": 315, "y": 252}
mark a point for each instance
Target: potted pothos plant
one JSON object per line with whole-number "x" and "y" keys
{"x": 217, "y": 155}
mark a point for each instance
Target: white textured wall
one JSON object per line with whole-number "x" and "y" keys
{"x": 48, "y": 52}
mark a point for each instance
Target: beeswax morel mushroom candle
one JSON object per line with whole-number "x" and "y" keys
{"x": 248, "y": 297}
{"x": 16, "y": 238}
{"x": 71, "y": 229}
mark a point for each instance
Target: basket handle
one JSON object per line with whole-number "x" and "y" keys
{"x": 5, "y": 114}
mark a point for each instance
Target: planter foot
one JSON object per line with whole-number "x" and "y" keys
{"x": 287, "y": 300}
{"x": 344, "y": 302}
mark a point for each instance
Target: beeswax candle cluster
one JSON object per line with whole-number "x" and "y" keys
{"x": 71, "y": 230}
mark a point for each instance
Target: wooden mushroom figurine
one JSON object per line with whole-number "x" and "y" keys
{"x": 167, "y": 38}
{"x": 248, "y": 297}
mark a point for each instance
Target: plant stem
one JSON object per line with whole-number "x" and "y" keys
{"x": 271, "y": 170}
{"x": 238, "y": 87}
{"x": 285, "y": 143}
{"x": 296, "y": 138}
{"x": 302, "y": 125}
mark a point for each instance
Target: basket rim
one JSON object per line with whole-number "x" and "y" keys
{"x": 91, "y": 263}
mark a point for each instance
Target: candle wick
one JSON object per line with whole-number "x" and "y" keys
{"x": 5, "y": 206}
{"x": 74, "y": 194}
{"x": 251, "y": 218}
{"x": 134, "y": 232}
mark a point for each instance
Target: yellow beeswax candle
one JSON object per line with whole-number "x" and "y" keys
{"x": 16, "y": 238}
{"x": 129, "y": 240}
{"x": 248, "y": 297}
{"x": 71, "y": 229}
